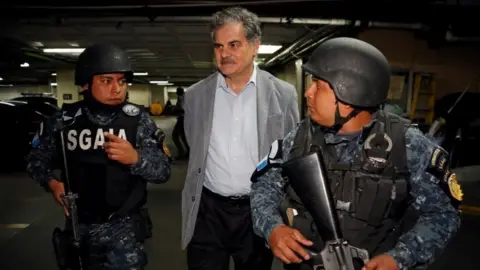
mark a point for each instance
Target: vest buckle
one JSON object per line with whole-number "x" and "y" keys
{"x": 343, "y": 206}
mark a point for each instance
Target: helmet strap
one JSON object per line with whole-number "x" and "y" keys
{"x": 340, "y": 120}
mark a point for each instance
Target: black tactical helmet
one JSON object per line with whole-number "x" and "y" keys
{"x": 101, "y": 59}
{"x": 358, "y": 73}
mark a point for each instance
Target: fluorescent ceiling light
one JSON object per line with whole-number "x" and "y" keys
{"x": 54, "y": 74}
{"x": 37, "y": 44}
{"x": 73, "y": 44}
{"x": 24, "y": 65}
{"x": 53, "y": 84}
{"x": 268, "y": 49}
{"x": 63, "y": 50}
{"x": 159, "y": 82}
{"x": 140, "y": 73}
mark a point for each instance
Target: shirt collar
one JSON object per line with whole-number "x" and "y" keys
{"x": 221, "y": 82}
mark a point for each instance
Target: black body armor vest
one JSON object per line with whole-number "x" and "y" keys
{"x": 102, "y": 184}
{"x": 371, "y": 193}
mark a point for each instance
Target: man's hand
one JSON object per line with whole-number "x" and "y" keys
{"x": 286, "y": 242}
{"x": 58, "y": 190}
{"x": 120, "y": 150}
{"x": 381, "y": 262}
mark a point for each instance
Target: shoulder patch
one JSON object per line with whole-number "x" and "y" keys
{"x": 438, "y": 163}
{"x": 273, "y": 156}
{"x": 131, "y": 110}
{"x": 36, "y": 140}
{"x": 454, "y": 187}
{"x": 272, "y": 159}
{"x": 275, "y": 150}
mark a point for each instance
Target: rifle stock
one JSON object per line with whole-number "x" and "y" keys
{"x": 307, "y": 176}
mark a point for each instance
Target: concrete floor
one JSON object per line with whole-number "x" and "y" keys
{"x": 27, "y": 244}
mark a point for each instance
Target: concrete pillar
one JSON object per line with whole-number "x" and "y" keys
{"x": 139, "y": 94}
{"x": 292, "y": 73}
{"x": 166, "y": 96}
{"x": 299, "y": 85}
{"x": 158, "y": 93}
{"x": 67, "y": 91}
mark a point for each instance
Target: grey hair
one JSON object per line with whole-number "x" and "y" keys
{"x": 250, "y": 21}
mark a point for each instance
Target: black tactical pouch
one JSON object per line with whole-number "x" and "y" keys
{"x": 302, "y": 222}
{"x": 66, "y": 254}
{"x": 143, "y": 224}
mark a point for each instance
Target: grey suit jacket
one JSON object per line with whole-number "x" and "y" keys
{"x": 277, "y": 114}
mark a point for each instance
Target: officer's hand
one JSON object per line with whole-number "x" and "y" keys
{"x": 120, "y": 150}
{"x": 58, "y": 190}
{"x": 381, "y": 262}
{"x": 285, "y": 244}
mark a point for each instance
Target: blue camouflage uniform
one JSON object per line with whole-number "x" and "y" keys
{"x": 438, "y": 219}
{"x": 116, "y": 239}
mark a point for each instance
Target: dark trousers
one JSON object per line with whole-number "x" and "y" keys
{"x": 179, "y": 138}
{"x": 223, "y": 229}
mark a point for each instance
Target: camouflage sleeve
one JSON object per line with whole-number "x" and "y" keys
{"x": 267, "y": 189}
{"x": 153, "y": 164}
{"x": 41, "y": 159}
{"x": 438, "y": 220}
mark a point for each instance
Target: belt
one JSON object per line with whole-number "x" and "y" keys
{"x": 231, "y": 199}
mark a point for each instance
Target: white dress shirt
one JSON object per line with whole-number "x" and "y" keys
{"x": 233, "y": 149}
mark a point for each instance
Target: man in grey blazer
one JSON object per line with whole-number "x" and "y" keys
{"x": 231, "y": 118}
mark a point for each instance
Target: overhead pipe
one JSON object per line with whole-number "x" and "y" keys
{"x": 272, "y": 20}
{"x": 449, "y": 37}
{"x": 298, "y": 48}
{"x": 216, "y": 4}
{"x": 302, "y": 49}
{"x": 29, "y": 51}
{"x": 197, "y": 4}
{"x": 301, "y": 42}
{"x": 328, "y": 32}
{"x": 334, "y": 32}
{"x": 209, "y": 4}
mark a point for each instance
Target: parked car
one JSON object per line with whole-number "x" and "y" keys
{"x": 460, "y": 133}
{"x": 20, "y": 118}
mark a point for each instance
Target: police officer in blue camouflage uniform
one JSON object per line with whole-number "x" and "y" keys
{"x": 393, "y": 191}
{"x": 112, "y": 150}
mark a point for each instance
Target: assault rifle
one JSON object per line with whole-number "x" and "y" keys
{"x": 308, "y": 179}
{"x": 66, "y": 242}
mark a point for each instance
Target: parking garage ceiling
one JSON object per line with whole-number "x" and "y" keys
{"x": 170, "y": 40}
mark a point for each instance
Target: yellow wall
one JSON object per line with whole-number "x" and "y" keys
{"x": 139, "y": 94}
{"x": 455, "y": 66}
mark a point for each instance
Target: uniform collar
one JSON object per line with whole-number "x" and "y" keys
{"x": 359, "y": 137}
